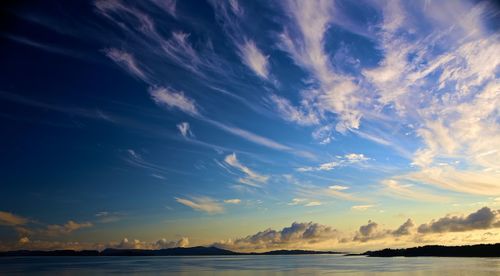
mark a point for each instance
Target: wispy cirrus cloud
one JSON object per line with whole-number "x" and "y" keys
{"x": 454, "y": 120}
{"x": 254, "y": 58}
{"x": 251, "y": 178}
{"x": 303, "y": 40}
{"x": 173, "y": 99}
{"x": 185, "y": 129}
{"x": 347, "y": 159}
{"x": 65, "y": 229}
{"x": 178, "y": 100}
{"x": 231, "y": 16}
{"x": 305, "y": 202}
{"x": 136, "y": 159}
{"x": 323, "y": 194}
{"x": 202, "y": 204}
{"x": 10, "y": 219}
{"x": 126, "y": 61}
{"x": 301, "y": 115}
{"x": 391, "y": 187}
{"x": 362, "y": 207}
{"x": 232, "y": 201}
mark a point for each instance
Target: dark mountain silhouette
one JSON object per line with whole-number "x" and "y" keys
{"x": 479, "y": 250}
{"x": 19, "y": 253}
{"x": 179, "y": 251}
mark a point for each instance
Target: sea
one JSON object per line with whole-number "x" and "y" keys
{"x": 249, "y": 265}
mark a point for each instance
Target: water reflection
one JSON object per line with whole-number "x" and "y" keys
{"x": 249, "y": 265}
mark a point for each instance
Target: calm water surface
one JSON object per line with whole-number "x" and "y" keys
{"x": 249, "y": 265}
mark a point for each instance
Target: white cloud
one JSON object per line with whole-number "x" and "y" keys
{"x": 173, "y": 99}
{"x": 297, "y": 201}
{"x": 362, "y": 207}
{"x": 392, "y": 187}
{"x": 185, "y": 129}
{"x": 254, "y": 58}
{"x": 483, "y": 218}
{"x": 356, "y": 157}
{"x": 233, "y": 201}
{"x": 159, "y": 244}
{"x": 297, "y": 235}
{"x": 135, "y": 159}
{"x": 302, "y": 115}
{"x": 466, "y": 181}
{"x": 304, "y": 42}
{"x": 164, "y": 243}
{"x": 251, "y": 136}
{"x": 202, "y": 204}
{"x": 305, "y": 202}
{"x": 322, "y": 193}
{"x": 126, "y": 61}
{"x": 251, "y": 178}
{"x": 338, "y": 187}
{"x": 313, "y": 203}
{"x": 341, "y": 161}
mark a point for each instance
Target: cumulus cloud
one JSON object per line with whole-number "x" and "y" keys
{"x": 303, "y": 235}
{"x": 483, "y": 218}
{"x": 297, "y": 235}
{"x": 202, "y": 204}
{"x": 24, "y": 240}
{"x": 404, "y": 229}
{"x": 370, "y": 231}
{"x": 163, "y": 243}
{"x": 251, "y": 178}
{"x": 173, "y": 99}
{"x": 373, "y": 231}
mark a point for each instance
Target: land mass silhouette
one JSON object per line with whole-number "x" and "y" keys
{"x": 479, "y": 250}
{"x": 178, "y": 251}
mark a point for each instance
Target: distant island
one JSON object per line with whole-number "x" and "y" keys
{"x": 178, "y": 251}
{"x": 479, "y": 250}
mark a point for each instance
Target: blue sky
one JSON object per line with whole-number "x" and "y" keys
{"x": 173, "y": 123}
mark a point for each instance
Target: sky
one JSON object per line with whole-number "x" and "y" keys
{"x": 249, "y": 125}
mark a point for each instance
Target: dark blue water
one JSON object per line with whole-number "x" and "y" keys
{"x": 249, "y": 265}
